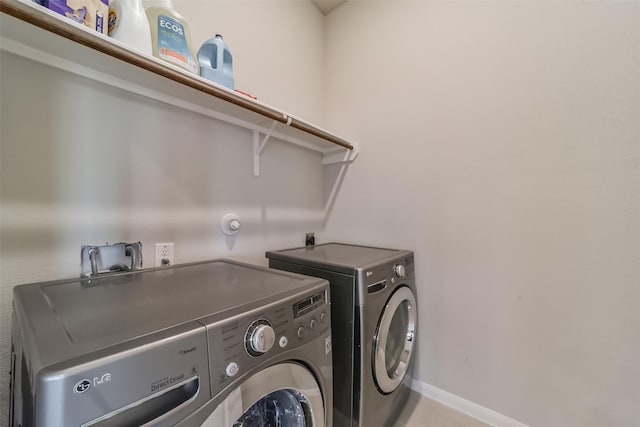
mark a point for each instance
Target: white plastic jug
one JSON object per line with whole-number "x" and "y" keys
{"x": 170, "y": 35}
{"x": 216, "y": 62}
{"x": 128, "y": 23}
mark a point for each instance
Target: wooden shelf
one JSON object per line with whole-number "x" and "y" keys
{"x": 31, "y": 31}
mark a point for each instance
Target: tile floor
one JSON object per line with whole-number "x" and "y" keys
{"x": 421, "y": 411}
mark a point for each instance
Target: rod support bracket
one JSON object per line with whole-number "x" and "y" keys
{"x": 342, "y": 155}
{"x": 259, "y": 146}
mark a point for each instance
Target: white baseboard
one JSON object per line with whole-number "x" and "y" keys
{"x": 463, "y": 405}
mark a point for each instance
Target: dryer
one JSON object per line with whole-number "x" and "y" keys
{"x": 374, "y": 321}
{"x": 216, "y": 343}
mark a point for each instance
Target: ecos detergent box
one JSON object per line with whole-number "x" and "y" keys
{"x": 92, "y": 13}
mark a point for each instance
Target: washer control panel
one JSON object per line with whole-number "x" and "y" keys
{"x": 241, "y": 343}
{"x": 311, "y": 315}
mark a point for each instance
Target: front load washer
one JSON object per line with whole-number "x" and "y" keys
{"x": 215, "y": 343}
{"x": 374, "y": 321}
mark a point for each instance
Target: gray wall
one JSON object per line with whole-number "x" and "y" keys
{"x": 501, "y": 142}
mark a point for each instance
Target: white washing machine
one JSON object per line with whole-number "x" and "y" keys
{"x": 216, "y": 343}
{"x": 374, "y": 321}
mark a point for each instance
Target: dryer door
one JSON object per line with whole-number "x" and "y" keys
{"x": 284, "y": 395}
{"x": 394, "y": 340}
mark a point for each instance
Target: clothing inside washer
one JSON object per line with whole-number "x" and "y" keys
{"x": 282, "y": 408}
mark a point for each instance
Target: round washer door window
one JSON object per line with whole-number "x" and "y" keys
{"x": 283, "y": 395}
{"x": 394, "y": 340}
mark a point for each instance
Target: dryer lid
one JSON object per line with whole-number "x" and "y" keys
{"x": 337, "y": 256}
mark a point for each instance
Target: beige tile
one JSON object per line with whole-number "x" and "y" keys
{"x": 421, "y": 411}
{"x": 411, "y": 406}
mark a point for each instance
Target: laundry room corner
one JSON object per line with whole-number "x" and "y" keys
{"x": 84, "y": 163}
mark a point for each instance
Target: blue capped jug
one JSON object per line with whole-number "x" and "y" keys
{"x": 215, "y": 61}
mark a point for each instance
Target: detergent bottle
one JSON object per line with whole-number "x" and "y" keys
{"x": 170, "y": 36}
{"x": 128, "y": 23}
{"x": 215, "y": 62}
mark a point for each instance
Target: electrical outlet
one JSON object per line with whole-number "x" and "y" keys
{"x": 164, "y": 254}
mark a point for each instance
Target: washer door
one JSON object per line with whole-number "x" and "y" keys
{"x": 285, "y": 395}
{"x": 394, "y": 340}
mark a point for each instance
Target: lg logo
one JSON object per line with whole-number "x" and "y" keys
{"x": 82, "y": 386}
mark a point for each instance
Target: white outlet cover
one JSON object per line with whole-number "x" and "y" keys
{"x": 164, "y": 251}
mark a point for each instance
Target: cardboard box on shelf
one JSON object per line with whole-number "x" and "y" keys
{"x": 91, "y": 13}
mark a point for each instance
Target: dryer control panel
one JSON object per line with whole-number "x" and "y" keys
{"x": 385, "y": 276}
{"x": 240, "y": 344}
{"x": 380, "y": 276}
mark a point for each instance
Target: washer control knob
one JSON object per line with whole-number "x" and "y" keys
{"x": 300, "y": 332}
{"x": 262, "y": 339}
{"x": 232, "y": 369}
{"x": 313, "y": 324}
{"x": 259, "y": 337}
{"x": 399, "y": 270}
{"x": 323, "y": 317}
